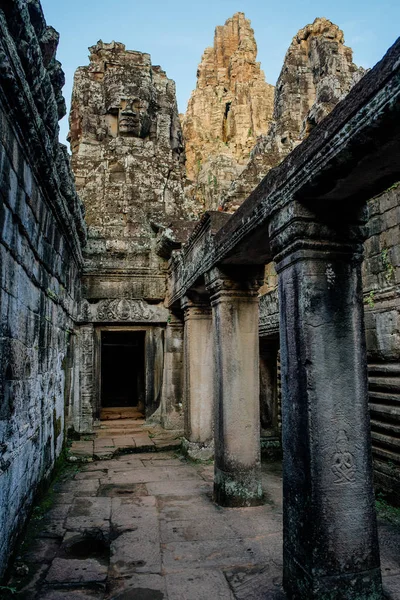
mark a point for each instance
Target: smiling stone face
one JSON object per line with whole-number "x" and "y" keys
{"x": 134, "y": 119}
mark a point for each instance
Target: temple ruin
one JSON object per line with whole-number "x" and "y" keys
{"x": 231, "y": 275}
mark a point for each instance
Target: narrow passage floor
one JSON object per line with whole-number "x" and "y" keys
{"x": 144, "y": 527}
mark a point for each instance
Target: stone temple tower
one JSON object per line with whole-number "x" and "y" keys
{"x": 128, "y": 160}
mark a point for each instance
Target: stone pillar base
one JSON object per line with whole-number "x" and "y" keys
{"x": 201, "y": 451}
{"x": 347, "y": 586}
{"x": 239, "y": 488}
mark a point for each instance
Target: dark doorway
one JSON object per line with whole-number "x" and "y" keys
{"x": 122, "y": 369}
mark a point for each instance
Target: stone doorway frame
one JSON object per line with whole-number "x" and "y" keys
{"x": 153, "y": 350}
{"x": 141, "y": 335}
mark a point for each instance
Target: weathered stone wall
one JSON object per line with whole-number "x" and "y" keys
{"x": 128, "y": 160}
{"x": 230, "y": 107}
{"x": 316, "y": 74}
{"x": 381, "y": 276}
{"x": 41, "y": 222}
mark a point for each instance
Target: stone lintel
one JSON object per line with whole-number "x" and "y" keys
{"x": 128, "y": 310}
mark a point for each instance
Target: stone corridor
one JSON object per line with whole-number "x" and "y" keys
{"x": 143, "y": 527}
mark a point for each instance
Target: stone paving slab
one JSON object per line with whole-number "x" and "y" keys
{"x": 183, "y": 508}
{"x": 42, "y": 550}
{"x": 189, "y": 487}
{"x": 83, "y": 487}
{"x": 209, "y": 553}
{"x": 390, "y": 549}
{"x": 115, "y": 466}
{"x": 391, "y": 587}
{"x": 51, "y": 529}
{"x": 136, "y": 514}
{"x": 130, "y": 555}
{"x": 127, "y": 490}
{"x": 76, "y": 571}
{"x": 193, "y": 584}
{"x": 194, "y": 530}
{"x": 143, "y": 441}
{"x": 138, "y": 587}
{"x": 92, "y": 474}
{"x": 89, "y": 513}
{"x": 104, "y": 442}
{"x": 72, "y": 594}
{"x": 258, "y": 582}
{"x": 136, "y": 476}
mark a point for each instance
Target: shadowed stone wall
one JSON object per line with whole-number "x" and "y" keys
{"x": 42, "y": 229}
{"x": 381, "y": 276}
{"x": 381, "y": 284}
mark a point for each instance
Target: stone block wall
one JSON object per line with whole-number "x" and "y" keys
{"x": 41, "y": 232}
{"x": 381, "y": 275}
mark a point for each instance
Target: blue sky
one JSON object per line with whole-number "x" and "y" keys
{"x": 176, "y": 32}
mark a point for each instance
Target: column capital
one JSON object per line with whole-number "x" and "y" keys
{"x": 175, "y": 321}
{"x": 299, "y": 231}
{"x": 234, "y": 281}
{"x": 196, "y": 306}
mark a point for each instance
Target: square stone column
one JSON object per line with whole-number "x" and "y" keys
{"x": 198, "y": 375}
{"x": 172, "y": 386}
{"x": 234, "y": 301}
{"x": 330, "y": 533}
{"x": 84, "y": 411}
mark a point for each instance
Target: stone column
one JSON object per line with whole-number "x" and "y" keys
{"x": 234, "y": 301}
{"x": 268, "y": 387}
{"x": 172, "y": 387}
{"x": 198, "y": 377}
{"x": 87, "y": 405}
{"x": 330, "y": 534}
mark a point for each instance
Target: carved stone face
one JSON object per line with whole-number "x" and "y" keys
{"x": 134, "y": 119}
{"x": 342, "y": 446}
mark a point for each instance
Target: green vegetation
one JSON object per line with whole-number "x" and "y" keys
{"x": 389, "y": 269}
{"x": 387, "y": 511}
{"x": 63, "y": 470}
{"x": 7, "y": 590}
{"x": 52, "y": 295}
{"x": 371, "y": 299}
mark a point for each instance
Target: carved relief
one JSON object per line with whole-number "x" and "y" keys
{"x": 135, "y": 118}
{"x": 343, "y": 463}
{"x": 86, "y": 378}
{"x": 123, "y": 309}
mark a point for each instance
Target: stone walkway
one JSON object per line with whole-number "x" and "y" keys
{"x": 114, "y": 436}
{"x": 144, "y": 527}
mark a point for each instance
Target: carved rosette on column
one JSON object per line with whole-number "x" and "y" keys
{"x": 234, "y": 301}
{"x": 330, "y": 534}
{"x": 198, "y": 376}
